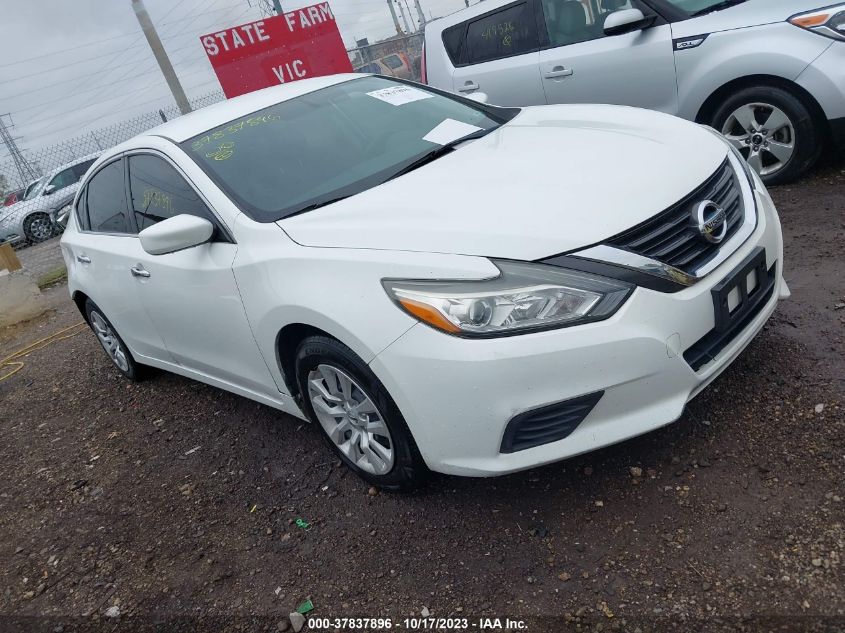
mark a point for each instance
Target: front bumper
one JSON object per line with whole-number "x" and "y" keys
{"x": 457, "y": 395}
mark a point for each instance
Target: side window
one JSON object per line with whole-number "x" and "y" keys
{"x": 106, "y": 200}
{"x": 453, "y": 41}
{"x": 512, "y": 31}
{"x": 574, "y": 21}
{"x": 80, "y": 169}
{"x": 63, "y": 179}
{"x": 159, "y": 192}
{"x": 393, "y": 61}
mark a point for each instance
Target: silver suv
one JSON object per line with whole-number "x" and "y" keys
{"x": 769, "y": 74}
{"x": 35, "y": 218}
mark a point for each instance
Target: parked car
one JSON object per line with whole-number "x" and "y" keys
{"x": 435, "y": 282}
{"x": 393, "y": 65}
{"x": 13, "y": 196}
{"x": 36, "y": 217}
{"x": 768, "y": 74}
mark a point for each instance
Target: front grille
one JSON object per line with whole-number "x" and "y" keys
{"x": 671, "y": 236}
{"x": 547, "y": 424}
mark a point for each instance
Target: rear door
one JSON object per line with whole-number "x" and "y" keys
{"x": 102, "y": 252}
{"x": 580, "y": 64}
{"x": 497, "y": 53}
{"x": 191, "y": 295}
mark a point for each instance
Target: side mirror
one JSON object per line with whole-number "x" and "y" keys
{"x": 49, "y": 189}
{"x": 625, "y": 21}
{"x": 175, "y": 234}
{"x": 480, "y": 97}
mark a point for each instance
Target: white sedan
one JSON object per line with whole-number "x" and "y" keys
{"x": 435, "y": 282}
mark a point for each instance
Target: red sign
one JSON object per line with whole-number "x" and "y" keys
{"x": 277, "y": 50}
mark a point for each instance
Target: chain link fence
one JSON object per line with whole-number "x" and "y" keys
{"x": 47, "y": 159}
{"x": 394, "y": 57}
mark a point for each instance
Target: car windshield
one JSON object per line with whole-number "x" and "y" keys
{"x": 34, "y": 189}
{"x": 700, "y": 7}
{"x": 332, "y": 143}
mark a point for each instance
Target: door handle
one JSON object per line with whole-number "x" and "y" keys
{"x": 138, "y": 271}
{"x": 83, "y": 259}
{"x": 468, "y": 87}
{"x": 559, "y": 71}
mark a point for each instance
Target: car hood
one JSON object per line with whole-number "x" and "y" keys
{"x": 747, "y": 14}
{"x": 553, "y": 179}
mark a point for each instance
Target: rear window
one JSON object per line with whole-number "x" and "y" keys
{"x": 453, "y": 40}
{"x": 512, "y": 31}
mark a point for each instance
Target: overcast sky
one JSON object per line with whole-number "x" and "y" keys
{"x": 67, "y": 68}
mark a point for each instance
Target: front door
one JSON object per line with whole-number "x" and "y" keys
{"x": 580, "y": 64}
{"x": 191, "y": 295}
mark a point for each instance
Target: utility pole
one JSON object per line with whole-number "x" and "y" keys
{"x": 25, "y": 170}
{"x": 161, "y": 56}
{"x": 404, "y": 18}
{"x": 420, "y": 14}
{"x": 395, "y": 19}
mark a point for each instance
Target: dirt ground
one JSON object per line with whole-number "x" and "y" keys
{"x": 171, "y": 505}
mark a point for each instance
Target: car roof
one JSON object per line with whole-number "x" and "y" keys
{"x": 194, "y": 123}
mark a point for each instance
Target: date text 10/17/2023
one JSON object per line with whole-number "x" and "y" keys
{"x": 489, "y": 624}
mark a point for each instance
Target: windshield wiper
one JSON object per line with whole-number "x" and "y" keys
{"x": 437, "y": 152}
{"x": 419, "y": 162}
{"x": 717, "y": 7}
{"x": 314, "y": 205}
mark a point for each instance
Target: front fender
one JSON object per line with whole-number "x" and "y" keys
{"x": 776, "y": 50}
{"x": 337, "y": 290}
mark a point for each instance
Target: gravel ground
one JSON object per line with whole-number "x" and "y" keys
{"x": 171, "y": 504}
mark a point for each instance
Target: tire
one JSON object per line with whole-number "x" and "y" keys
{"x": 743, "y": 119}
{"x": 352, "y": 431}
{"x": 38, "y": 227}
{"x": 116, "y": 349}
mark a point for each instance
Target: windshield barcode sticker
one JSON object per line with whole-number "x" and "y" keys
{"x": 400, "y": 95}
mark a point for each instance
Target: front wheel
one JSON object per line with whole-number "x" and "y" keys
{"x": 772, "y": 129}
{"x": 356, "y": 415}
{"x": 38, "y": 227}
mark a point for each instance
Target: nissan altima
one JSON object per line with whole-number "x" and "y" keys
{"x": 436, "y": 283}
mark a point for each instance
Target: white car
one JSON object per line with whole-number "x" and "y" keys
{"x": 769, "y": 74}
{"x": 437, "y": 283}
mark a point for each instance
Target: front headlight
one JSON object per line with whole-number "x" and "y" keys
{"x": 525, "y": 297}
{"x": 829, "y": 22}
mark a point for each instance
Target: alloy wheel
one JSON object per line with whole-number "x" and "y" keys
{"x": 108, "y": 339}
{"x": 351, "y": 420}
{"x": 40, "y": 228}
{"x": 764, "y": 135}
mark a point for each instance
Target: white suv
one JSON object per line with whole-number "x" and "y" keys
{"x": 769, "y": 74}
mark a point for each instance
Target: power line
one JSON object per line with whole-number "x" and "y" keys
{"x": 64, "y": 51}
{"x": 107, "y": 82}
